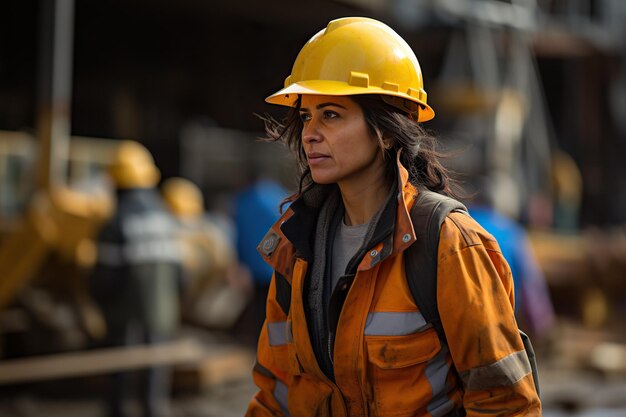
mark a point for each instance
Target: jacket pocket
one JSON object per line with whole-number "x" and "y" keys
{"x": 397, "y": 371}
{"x": 308, "y": 397}
{"x": 295, "y": 367}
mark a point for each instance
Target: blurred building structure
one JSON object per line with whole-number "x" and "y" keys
{"x": 164, "y": 66}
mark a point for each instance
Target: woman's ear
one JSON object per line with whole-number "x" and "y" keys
{"x": 387, "y": 143}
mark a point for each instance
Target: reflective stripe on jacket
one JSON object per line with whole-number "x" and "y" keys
{"x": 387, "y": 360}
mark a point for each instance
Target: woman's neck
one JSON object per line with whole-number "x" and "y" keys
{"x": 363, "y": 200}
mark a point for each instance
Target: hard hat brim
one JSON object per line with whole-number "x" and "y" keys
{"x": 288, "y": 95}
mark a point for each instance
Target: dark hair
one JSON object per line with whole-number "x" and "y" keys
{"x": 395, "y": 131}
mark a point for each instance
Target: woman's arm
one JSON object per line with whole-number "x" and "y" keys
{"x": 270, "y": 371}
{"x": 475, "y": 298}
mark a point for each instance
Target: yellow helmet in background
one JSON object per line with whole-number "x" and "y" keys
{"x": 132, "y": 166}
{"x": 183, "y": 197}
{"x": 357, "y": 55}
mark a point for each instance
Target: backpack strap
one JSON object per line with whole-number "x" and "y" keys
{"x": 427, "y": 214}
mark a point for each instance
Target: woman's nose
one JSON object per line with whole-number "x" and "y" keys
{"x": 310, "y": 132}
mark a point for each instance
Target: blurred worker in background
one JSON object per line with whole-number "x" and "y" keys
{"x": 567, "y": 182}
{"x": 216, "y": 289}
{"x": 137, "y": 276}
{"x": 256, "y": 208}
{"x": 533, "y": 306}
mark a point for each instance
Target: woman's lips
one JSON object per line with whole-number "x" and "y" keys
{"x": 316, "y": 158}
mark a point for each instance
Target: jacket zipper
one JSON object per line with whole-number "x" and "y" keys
{"x": 330, "y": 351}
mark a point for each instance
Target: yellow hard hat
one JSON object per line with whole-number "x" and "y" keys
{"x": 132, "y": 166}
{"x": 357, "y": 55}
{"x": 183, "y": 197}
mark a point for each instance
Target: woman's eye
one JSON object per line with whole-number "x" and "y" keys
{"x": 305, "y": 117}
{"x": 329, "y": 114}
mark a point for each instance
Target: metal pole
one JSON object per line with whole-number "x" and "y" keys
{"x": 55, "y": 90}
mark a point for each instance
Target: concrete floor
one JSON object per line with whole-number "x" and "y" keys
{"x": 570, "y": 387}
{"x": 564, "y": 395}
{"x": 227, "y": 400}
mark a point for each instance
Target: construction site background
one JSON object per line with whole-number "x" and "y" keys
{"x": 530, "y": 97}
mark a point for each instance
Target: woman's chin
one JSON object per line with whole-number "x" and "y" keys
{"x": 323, "y": 179}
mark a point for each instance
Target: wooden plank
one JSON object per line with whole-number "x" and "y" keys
{"x": 102, "y": 361}
{"x": 236, "y": 364}
{"x": 609, "y": 357}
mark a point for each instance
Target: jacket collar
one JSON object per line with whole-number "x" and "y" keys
{"x": 293, "y": 234}
{"x": 394, "y": 231}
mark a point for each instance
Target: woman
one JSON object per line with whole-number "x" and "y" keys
{"x": 343, "y": 336}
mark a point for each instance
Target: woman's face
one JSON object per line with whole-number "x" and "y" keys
{"x": 337, "y": 141}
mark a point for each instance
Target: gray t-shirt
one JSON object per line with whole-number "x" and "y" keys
{"x": 348, "y": 240}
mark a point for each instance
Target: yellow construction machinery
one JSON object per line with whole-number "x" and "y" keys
{"x": 53, "y": 225}
{"x": 45, "y": 217}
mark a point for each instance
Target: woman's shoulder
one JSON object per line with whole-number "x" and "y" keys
{"x": 460, "y": 230}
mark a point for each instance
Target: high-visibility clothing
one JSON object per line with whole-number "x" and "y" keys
{"x": 387, "y": 361}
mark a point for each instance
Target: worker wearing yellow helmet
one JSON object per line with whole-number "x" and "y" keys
{"x": 137, "y": 275}
{"x": 345, "y": 334}
{"x": 209, "y": 259}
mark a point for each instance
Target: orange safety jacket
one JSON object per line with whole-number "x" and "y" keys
{"x": 387, "y": 360}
